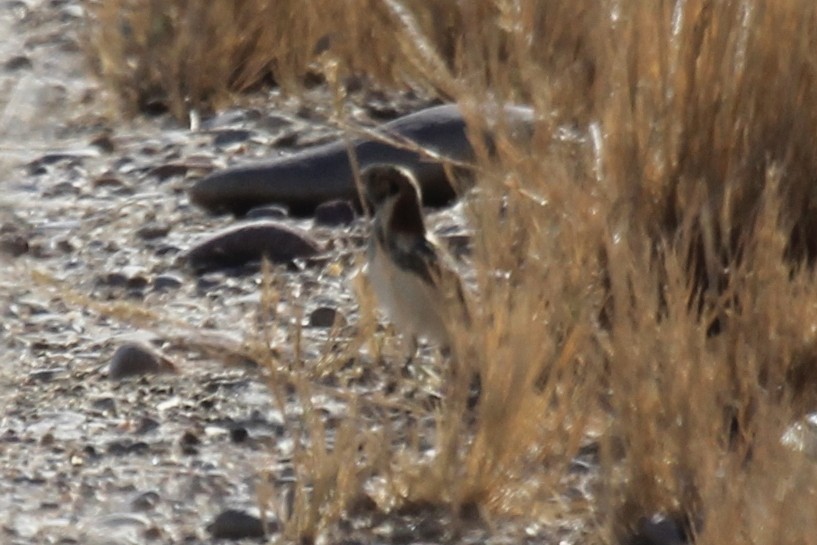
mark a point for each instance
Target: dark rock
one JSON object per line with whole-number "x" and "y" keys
{"x": 46, "y": 375}
{"x": 269, "y": 212}
{"x": 334, "y": 213}
{"x": 247, "y": 243}
{"x": 17, "y": 62}
{"x": 58, "y": 157}
{"x": 62, "y": 189}
{"x": 104, "y": 142}
{"x": 239, "y": 435}
{"x": 108, "y": 181}
{"x": 167, "y": 249}
{"x": 274, "y": 123}
{"x": 105, "y": 404}
{"x": 145, "y": 501}
{"x": 13, "y": 244}
{"x": 113, "y": 280}
{"x": 235, "y": 524}
{"x": 153, "y": 106}
{"x": 165, "y": 282}
{"x": 227, "y": 137}
{"x": 189, "y": 442}
{"x": 169, "y": 170}
{"x": 325, "y": 317}
{"x": 153, "y": 231}
{"x": 286, "y": 140}
{"x": 189, "y": 438}
{"x": 306, "y": 179}
{"x": 137, "y": 283}
{"x": 126, "y": 446}
{"x": 133, "y": 360}
{"x": 146, "y": 425}
{"x": 659, "y": 529}
{"x": 209, "y": 282}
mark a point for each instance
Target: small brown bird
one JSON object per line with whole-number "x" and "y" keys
{"x": 413, "y": 278}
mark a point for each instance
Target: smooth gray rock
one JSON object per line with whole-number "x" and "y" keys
{"x": 306, "y": 179}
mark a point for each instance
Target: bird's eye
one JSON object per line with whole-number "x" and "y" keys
{"x": 394, "y": 187}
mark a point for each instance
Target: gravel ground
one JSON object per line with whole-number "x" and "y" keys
{"x": 94, "y": 224}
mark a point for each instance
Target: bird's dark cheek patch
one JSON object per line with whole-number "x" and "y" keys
{"x": 406, "y": 216}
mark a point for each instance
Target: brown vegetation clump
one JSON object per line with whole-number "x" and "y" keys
{"x": 647, "y": 288}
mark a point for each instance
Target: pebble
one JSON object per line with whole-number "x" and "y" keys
{"x": 325, "y": 317}
{"x": 334, "y": 213}
{"x": 111, "y": 182}
{"x": 105, "y": 404}
{"x": 47, "y": 375}
{"x": 227, "y": 137}
{"x": 239, "y": 434}
{"x": 126, "y": 446}
{"x": 133, "y": 360}
{"x": 146, "y": 425}
{"x": 104, "y": 142}
{"x": 658, "y": 529}
{"x": 271, "y": 211}
{"x": 145, "y": 501}
{"x": 113, "y": 280}
{"x": 165, "y": 282}
{"x": 13, "y": 245}
{"x": 235, "y": 524}
{"x": 17, "y": 62}
{"x": 153, "y": 231}
{"x": 248, "y": 243}
{"x": 168, "y": 170}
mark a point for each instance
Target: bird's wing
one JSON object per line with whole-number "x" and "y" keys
{"x": 417, "y": 255}
{"x": 424, "y": 258}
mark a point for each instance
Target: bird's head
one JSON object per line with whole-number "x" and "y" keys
{"x": 395, "y": 197}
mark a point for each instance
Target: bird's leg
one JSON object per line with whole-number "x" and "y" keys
{"x": 463, "y": 375}
{"x": 413, "y": 348}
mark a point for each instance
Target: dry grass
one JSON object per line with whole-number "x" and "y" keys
{"x": 649, "y": 286}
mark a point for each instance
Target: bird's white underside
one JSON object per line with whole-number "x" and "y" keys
{"x": 407, "y": 300}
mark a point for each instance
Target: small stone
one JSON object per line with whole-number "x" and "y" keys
{"x": 104, "y": 142}
{"x": 105, "y": 404}
{"x": 137, "y": 283}
{"x": 248, "y": 243}
{"x": 235, "y": 524}
{"x": 325, "y": 317}
{"x": 165, "y": 282}
{"x": 334, "y": 213}
{"x": 152, "y": 231}
{"x": 111, "y": 182}
{"x": 46, "y": 375}
{"x": 134, "y": 360}
{"x": 227, "y": 137}
{"x": 168, "y": 170}
{"x": 113, "y": 280}
{"x": 13, "y": 244}
{"x": 146, "y": 501}
{"x": 126, "y": 446}
{"x": 146, "y": 425}
{"x": 659, "y": 529}
{"x": 239, "y": 435}
{"x": 153, "y": 533}
{"x": 190, "y": 439}
{"x": 18, "y": 62}
{"x": 272, "y": 211}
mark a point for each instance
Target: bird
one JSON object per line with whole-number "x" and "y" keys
{"x": 413, "y": 278}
